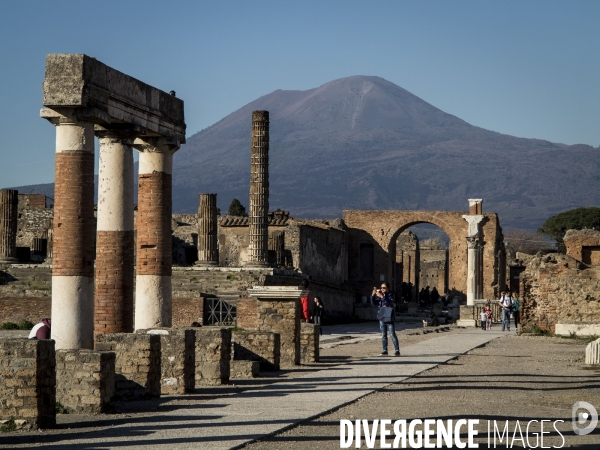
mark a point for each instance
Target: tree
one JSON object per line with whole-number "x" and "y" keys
{"x": 576, "y": 219}
{"x": 525, "y": 241}
{"x": 236, "y": 208}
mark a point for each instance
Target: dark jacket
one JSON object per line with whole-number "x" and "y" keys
{"x": 387, "y": 300}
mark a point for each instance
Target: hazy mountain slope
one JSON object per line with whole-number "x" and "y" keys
{"x": 363, "y": 142}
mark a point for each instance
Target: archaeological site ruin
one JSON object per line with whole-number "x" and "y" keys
{"x": 145, "y": 302}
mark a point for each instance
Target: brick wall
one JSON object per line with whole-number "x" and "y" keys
{"x": 85, "y": 381}
{"x": 583, "y": 245}
{"x": 137, "y": 364}
{"x": 247, "y": 313}
{"x": 558, "y": 289}
{"x": 32, "y": 200}
{"x": 28, "y": 388}
{"x": 263, "y": 347}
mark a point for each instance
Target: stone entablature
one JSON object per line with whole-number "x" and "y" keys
{"x": 583, "y": 245}
{"x": 275, "y": 218}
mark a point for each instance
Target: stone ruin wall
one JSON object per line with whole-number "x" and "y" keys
{"x": 558, "y": 289}
{"x": 583, "y": 245}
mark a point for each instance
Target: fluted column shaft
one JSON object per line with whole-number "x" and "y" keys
{"x": 114, "y": 237}
{"x": 259, "y": 190}
{"x": 9, "y": 201}
{"x": 472, "y": 243}
{"x": 153, "y": 292}
{"x": 208, "y": 254}
{"x": 73, "y": 235}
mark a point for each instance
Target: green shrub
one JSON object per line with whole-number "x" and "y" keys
{"x": 9, "y": 426}
{"x": 9, "y": 326}
{"x": 60, "y": 409}
{"x": 25, "y": 325}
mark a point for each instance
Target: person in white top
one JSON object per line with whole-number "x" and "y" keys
{"x": 41, "y": 330}
{"x": 506, "y": 303}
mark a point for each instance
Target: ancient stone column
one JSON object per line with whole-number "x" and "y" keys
{"x": 277, "y": 245}
{"x": 259, "y": 191}
{"x": 114, "y": 237}
{"x": 473, "y": 249}
{"x": 49, "y": 235}
{"x": 153, "y": 293}
{"x": 73, "y": 233}
{"x": 9, "y": 201}
{"x": 208, "y": 253}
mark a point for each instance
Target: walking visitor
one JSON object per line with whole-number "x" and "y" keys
{"x": 384, "y": 300}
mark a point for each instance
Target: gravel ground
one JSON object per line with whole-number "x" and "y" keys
{"x": 513, "y": 378}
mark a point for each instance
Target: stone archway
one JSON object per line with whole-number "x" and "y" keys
{"x": 381, "y": 229}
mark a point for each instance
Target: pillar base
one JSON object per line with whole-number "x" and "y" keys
{"x": 8, "y": 260}
{"x": 257, "y": 265}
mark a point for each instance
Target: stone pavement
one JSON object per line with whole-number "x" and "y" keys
{"x": 233, "y": 421}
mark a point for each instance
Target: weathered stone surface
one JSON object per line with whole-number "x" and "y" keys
{"x": 263, "y": 347}
{"x": 583, "y": 245}
{"x": 8, "y": 225}
{"x": 85, "y": 381}
{"x": 559, "y": 296}
{"x": 244, "y": 369}
{"x": 28, "y": 387}
{"x": 309, "y": 343}
{"x": 177, "y": 358}
{"x": 104, "y": 95}
{"x": 137, "y": 364}
{"x": 213, "y": 355}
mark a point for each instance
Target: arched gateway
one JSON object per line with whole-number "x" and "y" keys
{"x": 476, "y": 252}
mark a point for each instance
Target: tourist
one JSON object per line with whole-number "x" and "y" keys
{"x": 506, "y": 302}
{"x": 488, "y": 318}
{"x": 304, "y": 302}
{"x": 435, "y": 296}
{"x": 319, "y": 311}
{"x": 41, "y": 330}
{"x": 383, "y": 298}
{"x": 516, "y": 313}
{"x": 483, "y": 319}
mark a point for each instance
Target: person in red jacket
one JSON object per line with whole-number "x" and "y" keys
{"x": 305, "y": 303}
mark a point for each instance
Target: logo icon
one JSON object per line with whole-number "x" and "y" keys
{"x": 580, "y": 417}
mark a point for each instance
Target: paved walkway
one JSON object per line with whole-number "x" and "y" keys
{"x": 232, "y": 421}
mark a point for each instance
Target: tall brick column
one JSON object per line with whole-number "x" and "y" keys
{"x": 208, "y": 253}
{"x": 9, "y": 201}
{"x": 73, "y": 233}
{"x": 114, "y": 238}
{"x": 153, "y": 294}
{"x": 259, "y": 191}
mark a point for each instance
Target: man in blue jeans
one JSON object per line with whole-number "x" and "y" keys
{"x": 383, "y": 297}
{"x": 506, "y": 303}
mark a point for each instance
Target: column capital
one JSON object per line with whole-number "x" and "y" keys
{"x": 66, "y": 115}
{"x": 115, "y": 133}
{"x": 156, "y": 144}
{"x": 475, "y": 221}
{"x": 473, "y": 242}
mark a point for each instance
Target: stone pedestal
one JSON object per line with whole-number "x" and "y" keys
{"x": 114, "y": 241}
{"x": 74, "y": 229}
{"x": 279, "y": 312}
{"x": 213, "y": 355}
{"x": 208, "y": 253}
{"x": 153, "y": 295}
{"x": 259, "y": 191}
{"x": 309, "y": 343}
{"x": 9, "y": 201}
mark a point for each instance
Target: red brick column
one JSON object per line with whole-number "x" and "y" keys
{"x": 114, "y": 242}
{"x": 153, "y": 296}
{"x": 73, "y": 234}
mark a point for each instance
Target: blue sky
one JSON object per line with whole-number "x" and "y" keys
{"x": 524, "y": 68}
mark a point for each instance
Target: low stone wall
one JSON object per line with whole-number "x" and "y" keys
{"x": 177, "y": 358}
{"x": 247, "y": 313}
{"x": 561, "y": 295}
{"x": 309, "y": 343}
{"x": 28, "y": 387}
{"x": 85, "y": 381}
{"x": 282, "y": 317}
{"x": 244, "y": 369}
{"x": 260, "y": 346}
{"x": 213, "y": 353}
{"x": 137, "y": 364}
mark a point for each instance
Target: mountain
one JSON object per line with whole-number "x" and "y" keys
{"x": 364, "y": 143}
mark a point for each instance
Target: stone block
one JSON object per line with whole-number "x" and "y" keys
{"x": 212, "y": 355}
{"x": 309, "y": 343}
{"x": 260, "y": 346}
{"x": 244, "y": 369}
{"x": 137, "y": 363}
{"x": 177, "y": 360}
{"x": 86, "y": 385}
{"x": 592, "y": 352}
{"x": 25, "y": 395}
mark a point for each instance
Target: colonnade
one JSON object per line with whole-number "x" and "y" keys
{"x": 124, "y": 114}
